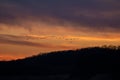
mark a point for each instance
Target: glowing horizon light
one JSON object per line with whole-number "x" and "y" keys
{"x": 31, "y": 27}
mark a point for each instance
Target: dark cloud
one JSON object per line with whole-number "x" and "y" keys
{"x": 26, "y": 43}
{"x": 94, "y": 14}
{"x": 23, "y": 41}
{"x": 25, "y": 37}
{"x": 11, "y": 39}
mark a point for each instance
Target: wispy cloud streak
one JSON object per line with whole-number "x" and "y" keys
{"x": 24, "y": 41}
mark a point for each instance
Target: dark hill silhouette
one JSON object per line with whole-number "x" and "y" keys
{"x": 81, "y": 63}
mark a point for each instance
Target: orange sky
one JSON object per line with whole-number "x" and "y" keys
{"x": 17, "y": 42}
{"x": 30, "y": 27}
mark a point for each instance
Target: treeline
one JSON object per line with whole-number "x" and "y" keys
{"x": 92, "y": 60}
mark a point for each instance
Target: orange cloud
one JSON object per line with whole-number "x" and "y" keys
{"x": 99, "y": 38}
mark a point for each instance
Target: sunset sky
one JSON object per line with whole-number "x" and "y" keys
{"x": 30, "y": 27}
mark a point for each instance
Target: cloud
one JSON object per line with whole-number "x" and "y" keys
{"x": 22, "y": 37}
{"x": 26, "y": 43}
{"x": 23, "y": 41}
{"x": 93, "y": 14}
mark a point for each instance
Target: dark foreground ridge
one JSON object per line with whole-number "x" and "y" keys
{"x": 84, "y": 64}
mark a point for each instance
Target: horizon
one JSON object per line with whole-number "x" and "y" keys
{"x": 29, "y": 27}
{"x": 111, "y": 47}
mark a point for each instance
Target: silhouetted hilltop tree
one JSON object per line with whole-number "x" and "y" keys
{"x": 97, "y": 60}
{"x": 111, "y": 47}
{"x": 81, "y": 62}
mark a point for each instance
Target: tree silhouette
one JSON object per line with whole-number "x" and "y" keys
{"x": 81, "y": 63}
